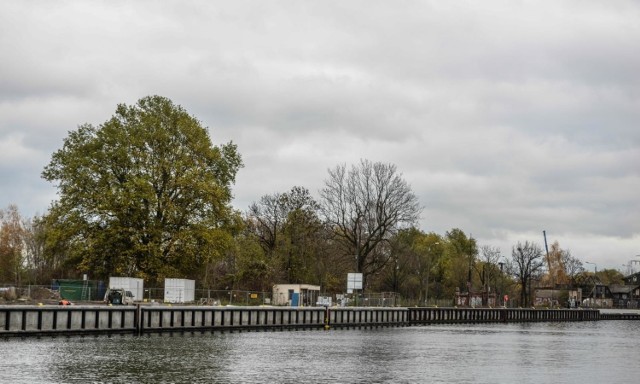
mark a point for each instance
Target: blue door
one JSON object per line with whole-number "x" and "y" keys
{"x": 295, "y": 299}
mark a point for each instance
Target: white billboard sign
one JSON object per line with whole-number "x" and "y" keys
{"x": 354, "y": 281}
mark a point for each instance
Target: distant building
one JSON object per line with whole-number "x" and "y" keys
{"x": 549, "y": 297}
{"x": 625, "y": 296}
{"x": 295, "y": 295}
{"x": 633, "y": 279}
{"x": 475, "y": 299}
{"x": 599, "y": 297}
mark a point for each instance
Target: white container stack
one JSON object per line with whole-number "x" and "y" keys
{"x": 133, "y": 284}
{"x": 179, "y": 290}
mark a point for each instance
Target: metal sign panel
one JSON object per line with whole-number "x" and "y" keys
{"x": 354, "y": 281}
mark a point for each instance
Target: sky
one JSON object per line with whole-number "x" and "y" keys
{"x": 506, "y": 118}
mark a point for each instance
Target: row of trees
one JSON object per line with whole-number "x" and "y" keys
{"x": 147, "y": 194}
{"x": 282, "y": 238}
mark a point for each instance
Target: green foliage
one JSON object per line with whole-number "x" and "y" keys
{"x": 610, "y": 276}
{"x": 287, "y": 227}
{"x": 418, "y": 255}
{"x": 145, "y": 194}
{"x": 461, "y": 252}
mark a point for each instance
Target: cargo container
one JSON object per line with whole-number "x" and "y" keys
{"x": 133, "y": 284}
{"x": 179, "y": 290}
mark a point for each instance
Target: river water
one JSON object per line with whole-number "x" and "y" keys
{"x": 587, "y": 352}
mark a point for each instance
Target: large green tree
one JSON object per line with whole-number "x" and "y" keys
{"x": 416, "y": 256}
{"x": 144, "y": 194}
{"x": 461, "y": 254}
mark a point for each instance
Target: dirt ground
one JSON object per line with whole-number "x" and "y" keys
{"x": 36, "y": 296}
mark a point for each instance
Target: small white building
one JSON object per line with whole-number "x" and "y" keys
{"x": 179, "y": 290}
{"x": 295, "y": 295}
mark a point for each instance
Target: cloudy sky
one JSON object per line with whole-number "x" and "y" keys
{"x": 507, "y": 118}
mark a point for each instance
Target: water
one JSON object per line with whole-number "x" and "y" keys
{"x": 588, "y": 352}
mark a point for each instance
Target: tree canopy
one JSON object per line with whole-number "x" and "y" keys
{"x": 144, "y": 194}
{"x": 365, "y": 206}
{"x": 287, "y": 228}
{"x": 527, "y": 263}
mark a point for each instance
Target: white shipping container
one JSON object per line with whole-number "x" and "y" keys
{"x": 133, "y": 284}
{"x": 179, "y": 290}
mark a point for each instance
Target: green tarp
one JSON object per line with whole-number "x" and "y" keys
{"x": 79, "y": 290}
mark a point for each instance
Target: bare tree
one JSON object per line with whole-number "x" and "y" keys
{"x": 487, "y": 269}
{"x": 527, "y": 262}
{"x": 365, "y": 205}
{"x": 288, "y": 230}
{"x": 265, "y": 220}
{"x": 34, "y": 251}
{"x": 572, "y": 266}
{"x": 12, "y": 236}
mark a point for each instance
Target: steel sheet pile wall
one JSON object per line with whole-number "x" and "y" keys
{"x": 24, "y": 320}
{"x": 203, "y": 318}
{"x": 374, "y": 316}
{"x": 509, "y": 315}
{"x": 29, "y": 320}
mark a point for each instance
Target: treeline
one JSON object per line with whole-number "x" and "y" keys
{"x": 282, "y": 239}
{"x": 146, "y": 194}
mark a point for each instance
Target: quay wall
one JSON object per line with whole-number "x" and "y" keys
{"x": 79, "y": 319}
{"x": 504, "y": 315}
{"x": 52, "y": 319}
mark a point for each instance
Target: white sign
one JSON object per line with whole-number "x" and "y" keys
{"x": 354, "y": 281}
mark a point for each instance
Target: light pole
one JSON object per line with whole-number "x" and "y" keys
{"x": 501, "y": 264}
{"x": 595, "y": 271}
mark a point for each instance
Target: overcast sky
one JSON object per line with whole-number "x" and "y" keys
{"x": 507, "y": 118}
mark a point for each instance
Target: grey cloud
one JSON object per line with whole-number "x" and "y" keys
{"x": 505, "y": 117}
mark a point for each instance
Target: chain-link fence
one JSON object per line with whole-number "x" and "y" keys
{"x": 40, "y": 293}
{"x": 52, "y": 294}
{"x": 213, "y": 297}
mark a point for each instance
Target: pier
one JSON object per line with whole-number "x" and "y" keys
{"x": 21, "y": 320}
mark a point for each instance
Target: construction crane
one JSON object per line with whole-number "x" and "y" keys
{"x": 546, "y": 247}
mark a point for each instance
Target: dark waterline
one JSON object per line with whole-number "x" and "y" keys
{"x": 589, "y": 352}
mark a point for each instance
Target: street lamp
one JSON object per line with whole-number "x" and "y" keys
{"x": 595, "y": 269}
{"x": 501, "y": 293}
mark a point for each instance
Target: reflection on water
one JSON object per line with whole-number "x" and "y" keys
{"x": 589, "y": 352}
